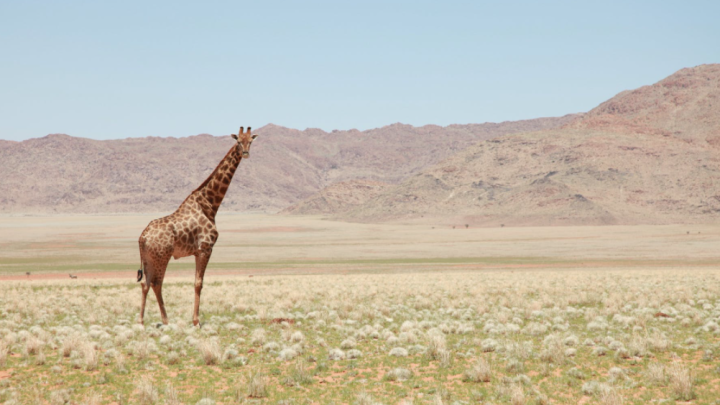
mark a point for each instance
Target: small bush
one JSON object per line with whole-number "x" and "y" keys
{"x": 257, "y": 338}
{"x": 70, "y": 343}
{"x": 489, "y": 345}
{"x": 300, "y": 373}
{"x": 92, "y": 399}
{"x": 287, "y": 354}
{"x": 515, "y": 366}
{"x": 4, "y": 349}
{"x": 609, "y": 395}
{"x": 348, "y": 344}
{"x": 33, "y": 345}
{"x": 399, "y": 352}
{"x": 353, "y": 354}
{"x": 479, "y": 372}
{"x": 59, "y": 397}
{"x": 210, "y": 351}
{"x": 553, "y": 350}
{"x": 599, "y": 351}
{"x": 147, "y": 392}
{"x": 171, "y": 396}
{"x": 297, "y": 337}
{"x": 363, "y": 398}
{"x": 172, "y": 358}
{"x": 257, "y": 385}
{"x": 90, "y": 356}
{"x": 655, "y": 374}
{"x": 445, "y": 358}
{"x": 436, "y": 343}
{"x": 336, "y": 354}
{"x": 398, "y": 374}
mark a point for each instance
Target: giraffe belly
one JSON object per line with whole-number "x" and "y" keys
{"x": 181, "y": 251}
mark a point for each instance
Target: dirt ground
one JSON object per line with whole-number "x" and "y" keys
{"x": 255, "y": 244}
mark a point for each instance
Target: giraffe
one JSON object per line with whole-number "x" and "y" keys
{"x": 190, "y": 230}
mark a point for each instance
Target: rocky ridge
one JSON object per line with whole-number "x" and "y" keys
{"x": 646, "y": 156}
{"x": 64, "y": 174}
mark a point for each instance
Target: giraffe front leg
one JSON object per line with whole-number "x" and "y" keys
{"x": 201, "y": 261}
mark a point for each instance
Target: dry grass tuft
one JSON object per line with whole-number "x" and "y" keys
{"x": 681, "y": 382}
{"x": 479, "y": 372}
{"x": 257, "y": 385}
{"x": 301, "y": 374}
{"x": 4, "y": 349}
{"x": 398, "y": 374}
{"x": 59, "y": 397}
{"x": 92, "y": 399}
{"x": 436, "y": 344}
{"x": 655, "y": 374}
{"x": 147, "y": 393}
{"x": 608, "y": 395}
{"x": 71, "y": 343}
{"x": 364, "y": 398}
{"x": 257, "y": 338}
{"x": 171, "y": 396}
{"x": 33, "y": 345}
{"x": 517, "y": 395}
{"x": 210, "y": 351}
{"x": 90, "y": 356}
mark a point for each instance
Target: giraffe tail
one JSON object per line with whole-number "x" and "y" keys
{"x": 140, "y": 272}
{"x": 142, "y": 262}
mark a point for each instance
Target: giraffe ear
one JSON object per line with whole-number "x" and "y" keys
{"x": 254, "y": 136}
{"x": 234, "y": 136}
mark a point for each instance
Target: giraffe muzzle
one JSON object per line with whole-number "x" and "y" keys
{"x": 246, "y": 155}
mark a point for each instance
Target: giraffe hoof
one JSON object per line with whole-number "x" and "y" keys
{"x": 158, "y": 325}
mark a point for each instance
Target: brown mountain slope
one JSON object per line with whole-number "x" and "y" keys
{"x": 338, "y": 197}
{"x": 645, "y": 156}
{"x": 684, "y": 105}
{"x": 60, "y": 173}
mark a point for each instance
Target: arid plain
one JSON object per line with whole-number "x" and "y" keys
{"x": 274, "y": 244}
{"x": 340, "y": 312}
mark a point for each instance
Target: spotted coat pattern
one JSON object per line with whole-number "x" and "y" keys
{"x": 190, "y": 230}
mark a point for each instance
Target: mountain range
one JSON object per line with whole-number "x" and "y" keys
{"x": 64, "y": 174}
{"x": 646, "y": 156}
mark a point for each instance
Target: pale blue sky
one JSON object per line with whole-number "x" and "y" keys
{"x": 104, "y": 70}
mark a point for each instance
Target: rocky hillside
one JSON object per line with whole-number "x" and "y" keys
{"x": 61, "y": 173}
{"x": 338, "y": 197}
{"x": 650, "y": 155}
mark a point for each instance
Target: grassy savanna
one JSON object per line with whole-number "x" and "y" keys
{"x": 419, "y": 315}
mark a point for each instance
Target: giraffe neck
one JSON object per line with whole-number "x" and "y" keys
{"x": 213, "y": 189}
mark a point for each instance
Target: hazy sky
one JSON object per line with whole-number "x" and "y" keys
{"x": 102, "y": 69}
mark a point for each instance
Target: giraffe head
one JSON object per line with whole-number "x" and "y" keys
{"x": 244, "y": 139}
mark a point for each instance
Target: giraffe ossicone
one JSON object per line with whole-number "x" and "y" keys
{"x": 190, "y": 230}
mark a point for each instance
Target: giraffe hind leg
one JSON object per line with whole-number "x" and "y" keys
{"x": 155, "y": 280}
{"x": 144, "y": 286}
{"x": 145, "y": 289}
{"x": 157, "y": 288}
